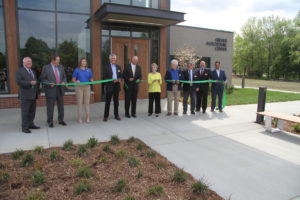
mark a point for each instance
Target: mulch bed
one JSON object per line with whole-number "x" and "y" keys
{"x": 107, "y": 168}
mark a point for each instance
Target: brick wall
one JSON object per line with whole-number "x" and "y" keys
{"x": 12, "y": 101}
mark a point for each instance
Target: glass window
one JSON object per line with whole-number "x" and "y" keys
{"x": 3, "y": 66}
{"x": 122, "y": 31}
{"x": 73, "y": 42}
{"x": 82, "y": 6}
{"x": 104, "y": 1}
{"x": 155, "y": 4}
{"x": 124, "y": 2}
{"x": 34, "y": 4}
{"x": 141, "y": 3}
{"x": 140, "y": 32}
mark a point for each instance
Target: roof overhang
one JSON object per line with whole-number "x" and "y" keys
{"x": 109, "y": 12}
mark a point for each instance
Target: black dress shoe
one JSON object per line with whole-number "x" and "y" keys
{"x": 127, "y": 116}
{"x": 51, "y": 125}
{"x": 105, "y": 119}
{"x": 133, "y": 116}
{"x": 117, "y": 118}
{"x": 26, "y": 131}
{"x": 203, "y": 111}
{"x": 198, "y": 110}
{"x": 34, "y": 127}
{"x": 193, "y": 112}
{"x": 184, "y": 112}
{"x": 62, "y": 123}
{"x": 149, "y": 114}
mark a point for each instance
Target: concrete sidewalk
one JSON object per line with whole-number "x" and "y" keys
{"x": 235, "y": 155}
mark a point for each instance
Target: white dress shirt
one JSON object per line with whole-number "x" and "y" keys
{"x": 133, "y": 67}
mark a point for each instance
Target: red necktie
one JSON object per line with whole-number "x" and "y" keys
{"x": 56, "y": 75}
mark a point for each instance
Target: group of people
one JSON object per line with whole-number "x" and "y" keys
{"x": 53, "y": 78}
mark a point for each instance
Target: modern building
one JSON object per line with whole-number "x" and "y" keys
{"x": 93, "y": 29}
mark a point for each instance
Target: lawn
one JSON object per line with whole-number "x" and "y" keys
{"x": 279, "y": 85}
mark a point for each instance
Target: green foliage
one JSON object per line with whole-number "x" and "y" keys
{"x": 38, "y": 178}
{"x": 82, "y": 151}
{"x": 140, "y": 174}
{"x": 106, "y": 148}
{"x": 121, "y": 153}
{"x": 129, "y": 198}
{"x": 76, "y": 162}
{"x": 38, "y": 195}
{"x": 17, "y": 154}
{"x": 27, "y": 160}
{"x": 296, "y": 128}
{"x": 82, "y": 186}
{"x": 68, "y": 145}
{"x": 179, "y": 176}
{"x": 114, "y": 140}
{"x": 2, "y": 166}
{"x": 4, "y": 176}
{"x": 85, "y": 172}
{"x": 120, "y": 186}
{"x": 103, "y": 160}
{"x": 54, "y": 156}
{"x": 39, "y": 149}
{"x": 200, "y": 187}
{"x": 131, "y": 139}
{"x": 139, "y": 147}
{"x": 150, "y": 154}
{"x": 156, "y": 190}
{"x": 160, "y": 165}
{"x": 92, "y": 142}
{"x": 133, "y": 162}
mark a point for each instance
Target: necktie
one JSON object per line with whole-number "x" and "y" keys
{"x": 31, "y": 74}
{"x": 201, "y": 72}
{"x": 56, "y": 75}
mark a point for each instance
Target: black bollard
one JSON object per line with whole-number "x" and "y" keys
{"x": 261, "y": 103}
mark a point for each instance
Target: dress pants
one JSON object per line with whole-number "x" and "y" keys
{"x": 186, "y": 94}
{"x": 173, "y": 96}
{"x": 154, "y": 96}
{"x": 59, "y": 100}
{"x": 217, "y": 91}
{"x": 131, "y": 98}
{"x": 202, "y": 96}
{"x": 112, "y": 91}
{"x": 28, "y": 108}
{"x": 83, "y": 95}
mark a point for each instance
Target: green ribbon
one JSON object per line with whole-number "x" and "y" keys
{"x": 224, "y": 98}
{"x": 81, "y": 83}
{"x": 137, "y": 81}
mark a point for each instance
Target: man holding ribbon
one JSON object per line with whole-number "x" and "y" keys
{"x": 51, "y": 75}
{"x": 189, "y": 89}
{"x": 217, "y": 88}
{"x": 112, "y": 88}
{"x": 132, "y": 76}
{"x": 28, "y": 93}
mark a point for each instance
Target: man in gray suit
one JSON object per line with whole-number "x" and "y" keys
{"x": 28, "y": 93}
{"x": 52, "y": 74}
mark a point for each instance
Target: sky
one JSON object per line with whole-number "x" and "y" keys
{"x": 230, "y": 15}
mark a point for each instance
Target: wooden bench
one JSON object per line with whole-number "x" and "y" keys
{"x": 281, "y": 119}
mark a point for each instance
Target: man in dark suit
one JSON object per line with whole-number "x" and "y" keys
{"x": 112, "y": 89}
{"x": 189, "y": 89}
{"x": 217, "y": 88}
{"x": 132, "y": 74}
{"x": 28, "y": 93}
{"x": 52, "y": 74}
{"x": 203, "y": 74}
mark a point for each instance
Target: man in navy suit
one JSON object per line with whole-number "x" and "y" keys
{"x": 217, "y": 88}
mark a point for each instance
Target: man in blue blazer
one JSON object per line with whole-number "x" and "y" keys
{"x": 217, "y": 88}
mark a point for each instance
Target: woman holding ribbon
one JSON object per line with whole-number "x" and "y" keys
{"x": 83, "y": 74}
{"x": 154, "y": 82}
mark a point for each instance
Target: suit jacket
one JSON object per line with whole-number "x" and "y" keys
{"x": 108, "y": 74}
{"x": 26, "y": 90}
{"x": 206, "y": 75}
{"x": 48, "y": 76}
{"x": 186, "y": 77}
{"x": 168, "y": 76}
{"x": 127, "y": 74}
{"x": 221, "y": 77}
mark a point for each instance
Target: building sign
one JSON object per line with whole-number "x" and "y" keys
{"x": 220, "y": 44}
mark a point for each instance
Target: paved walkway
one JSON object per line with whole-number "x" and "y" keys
{"x": 235, "y": 155}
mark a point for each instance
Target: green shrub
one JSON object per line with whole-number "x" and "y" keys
{"x": 140, "y": 174}
{"x": 129, "y": 198}
{"x": 85, "y": 172}
{"x": 229, "y": 89}
{"x": 54, "y": 156}
{"x": 139, "y": 147}
{"x": 114, "y": 139}
{"x": 131, "y": 140}
{"x": 68, "y": 145}
{"x": 17, "y": 154}
{"x": 121, "y": 153}
{"x": 27, "y": 160}
{"x": 106, "y": 148}
{"x": 120, "y": 186}
{"x": 82, "y": 186}
{"x": 103, "y": 160}
{"x": 133, "y": 162}
{"x": 4, "y": 176}
{"x": 38, "y": 178}
{"x": 150, "y": 154}
{"x": 156, "y": 190}
{"x": 179, "y": 176}
{"x": 82, "y": 151}
{"x": 39, "y": 149}
{"x": 2, "y": 166}
{"x": 38, "y": 195}
{"x": 76, "y": 162}
{"x": 160, "y": 165}
{"x": 200, "y": 187}
{"x": 92, "y": 142}
{"x": 296, "y": 128}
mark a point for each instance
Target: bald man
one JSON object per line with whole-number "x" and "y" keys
{"x": 131, "y": 74}
{"x": 28, "y": 93}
